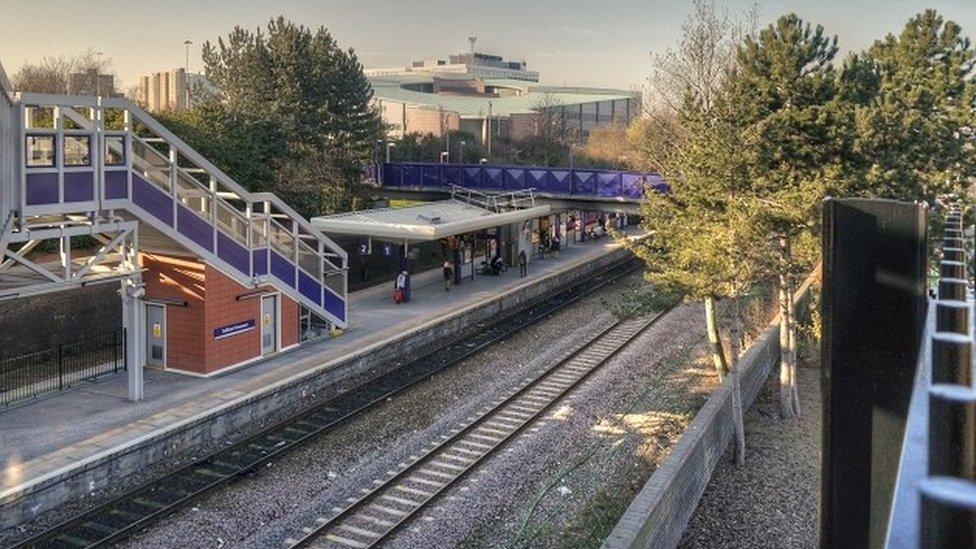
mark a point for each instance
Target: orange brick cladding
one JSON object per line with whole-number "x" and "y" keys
{"x": 211, "y": 302}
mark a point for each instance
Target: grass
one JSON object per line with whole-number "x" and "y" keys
{"x": 640, "y": 298}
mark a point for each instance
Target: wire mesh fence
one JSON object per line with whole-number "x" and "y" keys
{"x": 57, "y": 367}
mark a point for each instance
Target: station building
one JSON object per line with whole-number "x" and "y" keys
{"x": 484, "y": 95}
{"x": 212, "y": 277}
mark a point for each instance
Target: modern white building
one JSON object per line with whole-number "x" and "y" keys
{"x": 487, "y": 95}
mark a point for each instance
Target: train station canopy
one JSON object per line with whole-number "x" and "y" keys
{"x": 430, "y": 221}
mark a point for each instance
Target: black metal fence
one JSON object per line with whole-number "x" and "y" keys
{"x": 57, "y": 367}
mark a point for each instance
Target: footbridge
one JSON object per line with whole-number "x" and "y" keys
{"x": 562, "y": 188}
{"x": 103, "y": 167}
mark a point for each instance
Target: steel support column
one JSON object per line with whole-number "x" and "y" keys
{"x": 134, "y": 323}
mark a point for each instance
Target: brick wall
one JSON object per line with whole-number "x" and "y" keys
{"x": 179, "y": 279}
{"x": 212, "y": 302}
{"x": 289, "y": 321}
{"x": 223, "y": 309}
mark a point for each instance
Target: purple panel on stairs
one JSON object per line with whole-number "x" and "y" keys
{"x": 472, "y": 177}
{"x": 584, "y": 182}
{"x": 79, "y": 186}
{"x": 632, "y": 185}
{"x": 494, "y": 178}
{"x": 431, "y": 175}
{"x": 260, "y": 262}
{"x": 452, "y": 175}
{"x": 194, "y": 227}
{"x": 514, "y": 179}
{"x": 233, "y": 253}
{"x": 149, "y": 198}
{"x": 116, "y": 185}
{"x": 282, "y": 269}
{"x": 410, "y": 176}
{"x": 558, "y": 181}
{"x": 335, "y": 305}
{"x": 608, "y": 184}
{"x": 309, "y": 288}
{"x": 42, "y": 188}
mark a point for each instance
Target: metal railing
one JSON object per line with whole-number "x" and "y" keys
{"x": 57, "y": 367}
{"x": 9, "y": 185}
{"x": 584, "y": 182}
{"x": 935, "y": 501}
{"x": 182, "y": 194}
{"x": 496, "y": 202}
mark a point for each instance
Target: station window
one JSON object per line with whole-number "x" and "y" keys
{"x": 40, "y": 151}
{"x": 77, "y": 150}
{"x": 114, "y": 150}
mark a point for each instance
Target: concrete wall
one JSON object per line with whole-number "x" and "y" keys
{"x": 238, "y": 416}
{"x": 659, "y": 514}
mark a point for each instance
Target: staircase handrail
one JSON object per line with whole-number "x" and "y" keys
{"x": 183, "y": 148}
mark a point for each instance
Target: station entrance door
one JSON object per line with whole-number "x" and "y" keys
{"x": 155, "y": 335}
{"x": 269, "y": 324}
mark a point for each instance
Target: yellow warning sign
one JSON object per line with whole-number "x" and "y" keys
{"x": 157, "y": 330}
{"x": 267, "y": 320}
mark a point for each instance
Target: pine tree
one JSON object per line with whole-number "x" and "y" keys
{"x": 314, "y": 91}
{"x": 909, "y": 96}
{"x": 782, "y": 87}
{"x": 702, "y": 239}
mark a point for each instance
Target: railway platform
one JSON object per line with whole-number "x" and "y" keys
{"x": 93, "y": 436}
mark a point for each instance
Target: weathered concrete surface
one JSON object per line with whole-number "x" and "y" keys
{"x": 659, "y": 514}
{"x": 180, "y": 430}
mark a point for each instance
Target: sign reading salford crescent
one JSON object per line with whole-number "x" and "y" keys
{"x": 233, "y": 329}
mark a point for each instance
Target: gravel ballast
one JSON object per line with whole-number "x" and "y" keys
{"x": 772, "y": 500}
{"x": 290, "y": 493}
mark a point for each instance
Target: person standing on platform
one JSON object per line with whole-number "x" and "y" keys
{"x": 448, "y": 275}
{"x": 400, "y": 288}
{"x": 523, "y": 264}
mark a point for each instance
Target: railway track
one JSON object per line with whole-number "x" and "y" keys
{"x": 396, "y": 499}
{"x": 136, "y": 509}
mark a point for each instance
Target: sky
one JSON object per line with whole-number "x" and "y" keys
{"x": 604, "y": 43}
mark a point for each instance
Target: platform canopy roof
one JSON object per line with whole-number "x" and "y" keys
{"x": 430, "y": 221}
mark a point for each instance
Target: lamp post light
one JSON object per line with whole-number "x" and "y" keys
{"x": 461, "y": 153}
{"x": 98, "y": 71}
{"x": 186, "y": 72}
{"x": 389, "y": 146}
{"x": 445, "y": 157}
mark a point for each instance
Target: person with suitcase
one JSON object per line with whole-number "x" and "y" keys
{"x": 399, "y": 287}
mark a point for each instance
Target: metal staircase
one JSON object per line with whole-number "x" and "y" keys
{"x": 105, "y": 159}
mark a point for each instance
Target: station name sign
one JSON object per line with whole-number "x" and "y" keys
{"x": 233, "y": 329}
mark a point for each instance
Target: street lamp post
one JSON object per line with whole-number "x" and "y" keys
{"x": 98, "y": 71}
{"x": 186, "y": 72}
{"x": 389, "y": 146}
{"x": 461, "y": 153}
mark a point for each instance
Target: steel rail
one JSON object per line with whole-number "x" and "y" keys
{"x": 592, "y": 354}
{"x": 147, "y": 503}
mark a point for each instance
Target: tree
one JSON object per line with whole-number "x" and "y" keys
{"x": 907, "y": 97}
{"x": 781, "y": 90}
{"x": 702, "y": 237}
{"x": 427, "y": 147}
{"x": 547, "y": 146}
{"x": 311, "y": 89}
{"x": 51, "y": 74}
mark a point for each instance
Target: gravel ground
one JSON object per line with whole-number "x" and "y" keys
{"x": 268, "y": 506}
{"x": 782, "y": 474}
{"x": 566, "y": 483}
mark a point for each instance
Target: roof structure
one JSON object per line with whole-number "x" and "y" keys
{"x": 431, "y": 221}
{"x": 531, "y": 95}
